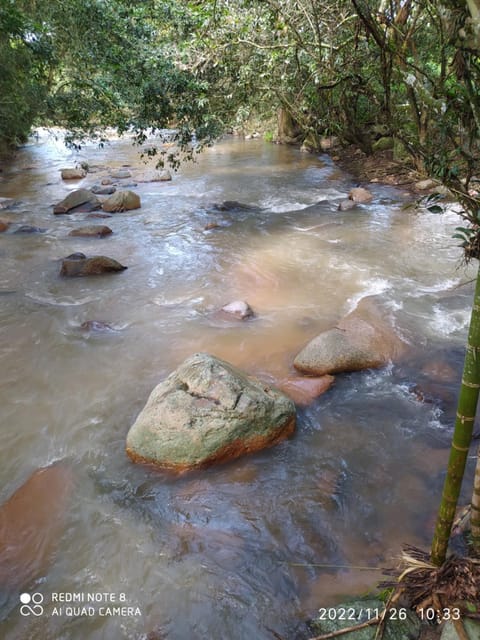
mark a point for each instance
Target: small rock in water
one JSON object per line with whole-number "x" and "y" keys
{"x": 75, "y": 266}
{"x": 76, "y": 256}
{"x": 361, "y": 195}
{"x": 232, "y": 205}
{"x": 96, "y": 326}
{"x": 211, "y": 225}
{"x": 238, "y": 309}
{"x": 103, "y": 190}
{"x": 93, "y": 231}
{"x": 73, "y": 174}
{"x": 26, "y": 228}
{"x": 4, "y": 225}
{"x": 106, "y": 181}
{"x": 345, "y": 205}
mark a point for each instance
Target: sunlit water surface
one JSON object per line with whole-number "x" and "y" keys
{"x": 258, "y": 544}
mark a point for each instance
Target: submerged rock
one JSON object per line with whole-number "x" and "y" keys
{"x": 96, "y": 326}
{"x": 211, "y": 225}
{"x": 360, "y": 195}
{"x": 122, "y": 201}
{"x": 304, "y": 390}
{"x": 103, "y": 190}
{"x": 77, "y": 199}
{"x": 27, "y": 228}
{"x": 7, "y": 203}
{"x": 206, "y": 412}
{"x": 154, "y": 176}
{"x": 120, "y": 174}
{"x": 99, "y": 215}
{"x": 78, "y": 265}
{"x": 346, "y": 205}
{"x": 31, "y": 524}
{"x": 92, "y": 231}
{"x": 361, "y": 340}
{"x": 232, "y": 205}
{"x": 4, "y": 224}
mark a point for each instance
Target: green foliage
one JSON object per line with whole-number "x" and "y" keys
{"x": 24, "y": 56}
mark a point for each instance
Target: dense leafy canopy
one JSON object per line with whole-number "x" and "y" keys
{"x": 359, "y": 69}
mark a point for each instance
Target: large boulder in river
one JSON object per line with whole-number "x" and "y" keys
{"x": 80, "y": 199}
{"x": 364, "y": 339}
{"x": 205, "y": 412}
{"x": 122, "y": 201}
{"x": 78, "y": 265}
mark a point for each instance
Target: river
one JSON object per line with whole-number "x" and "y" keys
{"x": 259, "y": 544}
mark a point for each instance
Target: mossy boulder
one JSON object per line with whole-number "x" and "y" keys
{"x": 206, "y": 412}
{"x": 382, "y": 144}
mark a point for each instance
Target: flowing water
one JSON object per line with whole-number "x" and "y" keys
{"x": 256, "y": 545}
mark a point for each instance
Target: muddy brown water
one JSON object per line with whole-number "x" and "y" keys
{"x": 259, "y": 544}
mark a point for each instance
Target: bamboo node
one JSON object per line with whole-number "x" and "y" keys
{"x": 471, "y": 385}
{"x": 457, "y": 448}
{"x": 465, "y": 418}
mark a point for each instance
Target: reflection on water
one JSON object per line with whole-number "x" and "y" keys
{"x": 238, "y": 550}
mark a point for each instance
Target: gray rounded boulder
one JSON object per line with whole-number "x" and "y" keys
{"x": 208, "y": 412}
{"x": 363, "y": 339}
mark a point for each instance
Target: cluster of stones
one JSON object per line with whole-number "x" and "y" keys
{"x": 207, "y": 411}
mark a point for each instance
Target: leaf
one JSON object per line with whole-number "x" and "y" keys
{"x": 471, "y": 607}
{"x": 466, "y": 231}
{"x": 435, "y": 208}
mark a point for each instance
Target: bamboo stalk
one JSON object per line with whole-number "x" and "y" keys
{"x": 462, "y": 436}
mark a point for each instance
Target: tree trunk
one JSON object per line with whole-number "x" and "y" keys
{"x": 462, "y": 436}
